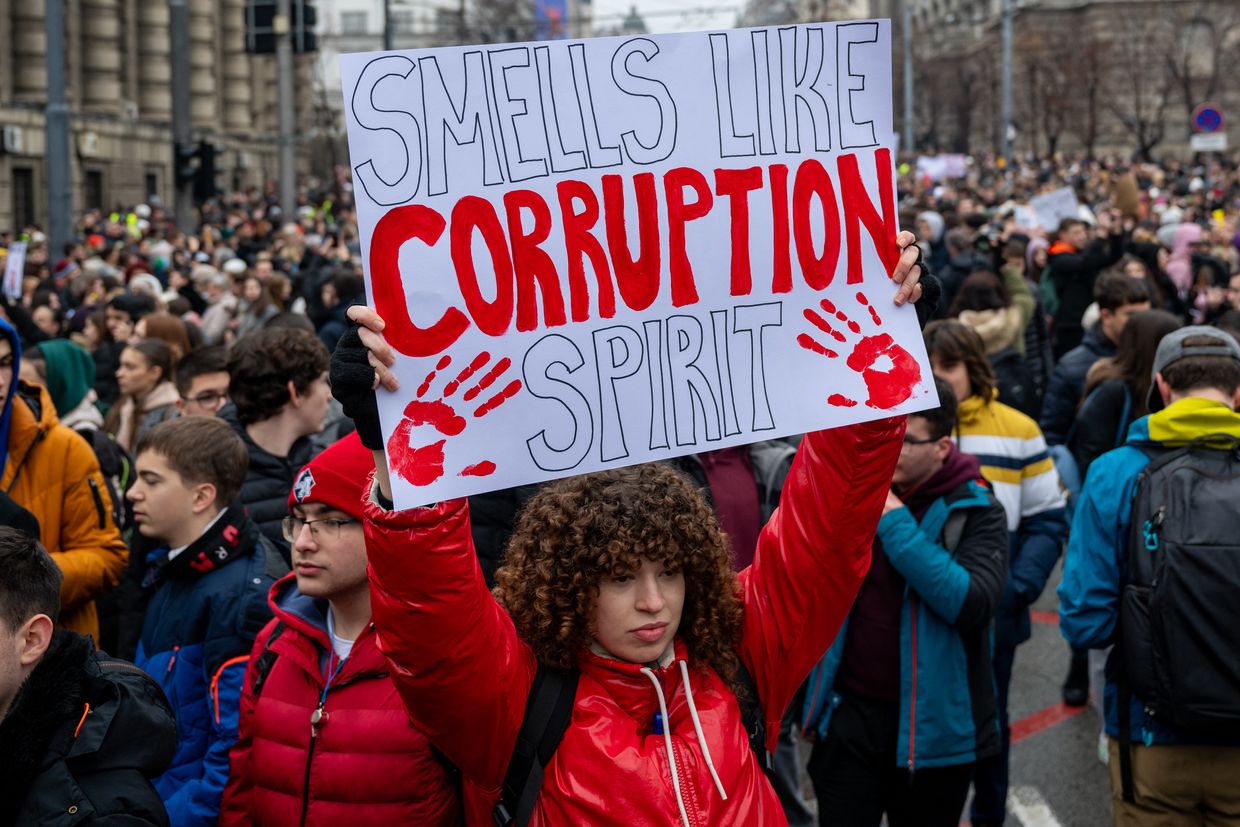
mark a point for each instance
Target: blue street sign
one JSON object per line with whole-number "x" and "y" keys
{"x": 1207, "y": 118}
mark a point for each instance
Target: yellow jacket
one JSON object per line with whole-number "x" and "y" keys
{"x": 53, "y": 473}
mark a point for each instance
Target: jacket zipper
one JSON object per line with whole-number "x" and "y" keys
{"x": 690, "y": 801}
{"x": 314, "y": 739}
{"x": 912, "y": 704}
{"x": 94, "y": 491}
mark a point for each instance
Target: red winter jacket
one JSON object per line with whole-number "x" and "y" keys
{"x": 368, "y": 764}
{"x": 464, "y": 674}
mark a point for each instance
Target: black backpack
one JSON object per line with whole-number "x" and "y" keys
{"x": 1180, "y": 599}
{"x": 548, "y": 711}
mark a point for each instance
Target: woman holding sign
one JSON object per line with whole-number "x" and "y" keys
{"x": 621, "y": 673}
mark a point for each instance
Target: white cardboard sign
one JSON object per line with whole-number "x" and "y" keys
{"x": 1054, "y": 206}
{"x": 14, "y": 266}
{"x": 598, "y": 253}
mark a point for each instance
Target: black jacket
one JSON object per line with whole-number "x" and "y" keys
{"x": 1102, "y": 423}
{"x": 1073, "y": 275}
{"x": 1063, "y": 393}
{"x": 83, "y": 738}
{"x": 269, "y": 479}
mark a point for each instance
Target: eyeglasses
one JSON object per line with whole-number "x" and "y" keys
{"x": 207, "y": 399}
{"x": 292, "y": 527}
{"x": 908, "y": 440}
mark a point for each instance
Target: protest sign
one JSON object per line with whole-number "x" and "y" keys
{"x": 14, "y": 266}
{"x": 597, "y": 253}
{"x": 941, "y": 167}
{"x": 1054, "y": 206}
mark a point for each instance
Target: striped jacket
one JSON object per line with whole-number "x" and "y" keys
{"x": 1013, "y": 456}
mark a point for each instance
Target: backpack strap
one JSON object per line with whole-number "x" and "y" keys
{"x": 953, "y": 530}
{"x": 262, "y": 666}
{"x": 752, "y": 717}
{"x": 548, "y": 711}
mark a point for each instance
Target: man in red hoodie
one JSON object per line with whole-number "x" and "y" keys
{"x": 323, "y": 737}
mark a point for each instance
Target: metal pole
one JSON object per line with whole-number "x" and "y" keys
{"x": 387, "y": 25}
{"x": 1007, "y": 79}
{"x": 182, "y": 123}
{"x": 56, "y": 120}
{"x": 908, "y": 74}
{"x": 284, "y": 71}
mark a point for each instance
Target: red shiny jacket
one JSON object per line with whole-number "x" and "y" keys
{"x": 464, "y": 673}
{"x": 368, "y": 764}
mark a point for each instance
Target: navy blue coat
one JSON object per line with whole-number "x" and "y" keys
{"x": 1063, "y": 392}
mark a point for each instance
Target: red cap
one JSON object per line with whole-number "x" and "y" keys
{"x": 336, "y": 478}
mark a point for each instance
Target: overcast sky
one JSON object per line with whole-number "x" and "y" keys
{"x": 670, "y": 15}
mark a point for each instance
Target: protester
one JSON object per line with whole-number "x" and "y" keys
{"x": 1013, "y": 458}
{"x": 83, "y": 734}
{"x": 1074, "y": 262}
{"x": 681, "y": 605}
{"x": 279, "y": 400}
{"x": 208, "y": 581}
{"x": 984, "y": 305}
{"x": 148, "y": 395}
{"x": 202, "y": 381}
{"x": 939, "y": 564}
{"x": 52, "y": 473}
{"x": 363, "y": 761}
{"x": 1174, "y": 752}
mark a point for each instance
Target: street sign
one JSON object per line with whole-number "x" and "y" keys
{"x": 1212, "y": 142}
{"x": 1207, "y": 118}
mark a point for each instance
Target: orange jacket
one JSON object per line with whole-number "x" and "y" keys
{"x": 464, "y": 674}
{"x": 53, "y": 473}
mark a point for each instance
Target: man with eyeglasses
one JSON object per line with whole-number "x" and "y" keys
{"x": 902, "y": 706}
{"x": 318, "y": 688}
{"x": 202, "y": 381}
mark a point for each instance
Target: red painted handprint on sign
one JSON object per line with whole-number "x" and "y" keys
{"x": 422, "y": 465}
{"x": 888, "y": 385}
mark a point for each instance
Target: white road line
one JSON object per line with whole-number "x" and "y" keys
{"x": 1030, "y": 809}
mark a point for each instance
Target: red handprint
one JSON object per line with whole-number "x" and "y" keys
{"x": 888, "y": 386}
{"x": 422, "y": 465}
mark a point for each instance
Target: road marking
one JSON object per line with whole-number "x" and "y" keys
{"x": 1050, "y": 618}
{"x": 1030, "y": 809}
{"x": 1045, "y": 719}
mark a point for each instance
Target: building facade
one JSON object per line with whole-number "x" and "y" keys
{"x": 120, "y": 98}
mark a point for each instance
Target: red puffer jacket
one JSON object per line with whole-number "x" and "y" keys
{"x": 368, "y": 764}
{"x": 464, "y": 674}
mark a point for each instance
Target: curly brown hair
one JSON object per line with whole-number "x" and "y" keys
{"x": 579, "y": 530}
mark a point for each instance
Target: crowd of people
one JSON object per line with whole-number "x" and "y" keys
{"x": 212, "y": 613}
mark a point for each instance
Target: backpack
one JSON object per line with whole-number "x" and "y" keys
{"x": 1066, "y": 466}
{"x": 1177, "y": 643}
{"x": 117, "y": 468}
{"x": 548, "y": 711}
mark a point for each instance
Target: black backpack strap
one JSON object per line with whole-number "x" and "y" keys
{"x": 262, "y": 666}
{"x": 752, "y": 717}
{"x": 548, "y": 711}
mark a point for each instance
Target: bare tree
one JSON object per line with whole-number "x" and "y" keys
{"x": 1141, "y": 89}
{"x": 1202, "y": 46}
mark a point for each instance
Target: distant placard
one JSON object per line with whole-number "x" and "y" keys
{"x": 942, "y": 167}
{"x": 14, "y": 266}
{"x": 603, "y": 252}
{"x": 1053, "y": 207}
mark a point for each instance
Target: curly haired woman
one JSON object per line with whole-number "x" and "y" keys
{"x": 625, "y": 576}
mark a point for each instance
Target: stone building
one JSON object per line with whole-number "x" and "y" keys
{"x": 120, "y": 98}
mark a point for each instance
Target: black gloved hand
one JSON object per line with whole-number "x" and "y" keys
{"x": 931, "y": 292}
{"x": 353, "y": 384}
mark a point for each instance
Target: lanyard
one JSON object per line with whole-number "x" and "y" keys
{"x": 319, "y": 717}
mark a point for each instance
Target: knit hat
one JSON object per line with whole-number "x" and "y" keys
{"x": 70, "y": 373}
{"x": 336, "y": 478}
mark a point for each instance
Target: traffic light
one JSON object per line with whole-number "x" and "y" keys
{"x": 260, "y": 36}
{"x": 185, "y": 158}
{"x": 205, "y": 184}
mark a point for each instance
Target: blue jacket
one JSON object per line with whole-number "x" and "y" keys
{"x": 1067, "y": 384}
{"x": 207, "y": 606}
{"x": 947, "y": 703}
{"x": 1098, "y": 545}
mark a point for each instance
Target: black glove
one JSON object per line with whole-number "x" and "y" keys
{"x": 931, "y": 292}
{"x": 353, "y": 384}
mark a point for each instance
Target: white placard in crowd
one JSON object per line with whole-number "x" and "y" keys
{"x": 1055, "y": 206}
{"x": 14, "y": 266}
{"x": 598, "y": 253}
{"x": 942, "y": 167}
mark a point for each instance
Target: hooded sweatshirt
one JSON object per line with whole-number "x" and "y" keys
{"x": 1180, "y": 265}
{"x": 70, "y": 373}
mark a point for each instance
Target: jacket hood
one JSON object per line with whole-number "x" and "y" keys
{"x": 6, "y": 408}
{"x": 1181, "y": 422}
{"x": 936, "y": 222}
{"x": 1034, "y": 245}
{"x": 999, "y": 328}
{"x": 70, "y": 373}
{"x": 306, "y": 614}
{"x": 1185, "y": 235}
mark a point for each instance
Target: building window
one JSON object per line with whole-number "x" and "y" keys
{"x": 353, "y": 22}
{"x": 94, "y": 190}
{"x": 152, "y": 186}
{"x": 23, "y": 197}
{"x": 403, "y": 22}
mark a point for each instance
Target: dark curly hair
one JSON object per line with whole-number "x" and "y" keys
{"x": 579, "y": 530}
{"x": 262, "y": 363}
